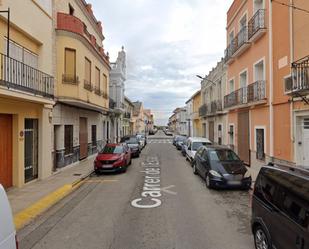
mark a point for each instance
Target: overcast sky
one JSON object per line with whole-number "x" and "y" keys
{"x": 167, "y": 42}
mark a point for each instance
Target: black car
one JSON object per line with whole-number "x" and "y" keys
{"x": 280, "y": 208}
{"x": 183, "y": 147}
{"x": 221, "y": 168}
{"x": 179, "y": 142}
{"x": 133, "y": 144}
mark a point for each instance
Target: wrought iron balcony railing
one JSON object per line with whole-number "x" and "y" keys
{"x": 97, "y": 91}
{"x": 300, "y": 77}
{"x": 70, "y": 79}
{"x": 215, "y": 106}
{"x": 256, "y": 23}
{"x": 242, "y": 37}
{"x": 127, "y": 115}
{"x": 112, "y": 103}
{"x": 88, "y": 86}
{"x": 246, "y": 95}
{"x": 17, "y": 75}
{"x": 203, "y": 110}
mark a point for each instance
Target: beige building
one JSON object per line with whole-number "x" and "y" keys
{"x": 213, "y": 117}
{"x": 138, "y": 117}
{"x": 26, "y": 91}
{"x": 127, "y": 119}
{"x": 80, "y": 116}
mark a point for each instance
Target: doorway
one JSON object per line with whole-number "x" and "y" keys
{"x": 6, "y": 165}
{"x": 31, "y": 149}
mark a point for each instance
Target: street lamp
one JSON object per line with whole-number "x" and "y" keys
{"x": 8, "y": 31}
{"x": 200, "y": 77}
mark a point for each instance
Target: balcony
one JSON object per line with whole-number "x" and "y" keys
{"x": 112, "y": 103}
{"x": 203, "y": 111}
{"x": 73, "y": 24}
{"x": 97, "y": 91}
{"x": 241, "y": 42}
{"x": 88, "y": 86}
{"x": 256, "y": 25}
{"x": 216, "y": 107}
{"x": 127, "y": 115}
{"x": 19, "y": 76}
{"x": 70, "y": 79}
{"x": 299, "y": 84}
{"x": 251, "y": 94}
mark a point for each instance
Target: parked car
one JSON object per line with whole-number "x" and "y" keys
{"x": 113, "y": 158}
{"x": 184, "y": 147}
{"x": 168, "y": 133}
{"x": 179, "y": 142}
{"x": 134, "y": 144}
{"x": 193, "y": 143}
{"x": 175, "y": 139}
{"x": 280, "y": 208}
{"x": 7, "y": 231}
{"x": 221, "y": 168}
{"x": 143, "y": 140}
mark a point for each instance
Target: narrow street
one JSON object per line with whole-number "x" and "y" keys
{"x": 100, "y": 213}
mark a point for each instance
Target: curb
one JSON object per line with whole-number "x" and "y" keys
{"x": 24, "y": 217}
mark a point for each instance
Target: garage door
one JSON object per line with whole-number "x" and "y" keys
{"x": 6, "y": 150}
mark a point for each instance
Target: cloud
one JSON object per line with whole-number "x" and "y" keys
{"x": 167, "y": 44}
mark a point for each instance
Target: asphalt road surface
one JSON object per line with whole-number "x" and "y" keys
{"x": 158, "y": 203}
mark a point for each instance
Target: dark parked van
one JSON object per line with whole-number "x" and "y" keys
{"x": 280, "y": 208}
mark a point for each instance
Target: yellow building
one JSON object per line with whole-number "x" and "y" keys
{"x": 196, "y": 121}
{"x": 127, "y": 119}
{"x": 81, "y": 124}
{"x": 138, "y": 116}
{"x": 26, "y": 91}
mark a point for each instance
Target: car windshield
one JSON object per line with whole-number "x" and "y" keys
{"x": 132, "y": 140}
{"x": 196, "y": 145}
{"x": 112, "y": 150}
{"x": 180, "y": 139}
{"x": 223, "y": 155}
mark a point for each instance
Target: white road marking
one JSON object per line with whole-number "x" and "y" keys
{"x": 165, "y": 189}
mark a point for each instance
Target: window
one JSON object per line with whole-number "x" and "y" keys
{"x": 94, "y": 135}
{"x": 105, "y": 85}
{"x": 68, "y": 139}
{"x": 97, "y": 78}
{"x": 71, "y": 10}
{"x": 21, "y": 54}
{"x": 257, "y": 5}
{"x": 231, "y": 37}
{"x": 260, "y": 153}
{"x": 231, "y": 133}
{"x": 112, "y": 150}
{"x": 259, "y": 71}
{"x": 70, "y": 62}
{"x": 243, "y": 79}
{"x": 87, "y": 70}
{"x": 265, "y": 189}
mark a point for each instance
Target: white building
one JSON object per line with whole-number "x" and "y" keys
{"x": 116, "y": 94}
{"x": 181, "y": 121}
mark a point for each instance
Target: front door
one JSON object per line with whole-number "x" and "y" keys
{"x": 305, "y": 157}
{"x": 6, "y": 150}
{"x": 83, "y": 138}
{"x": 243, "y": 136}
{"x": 31, "y": 149}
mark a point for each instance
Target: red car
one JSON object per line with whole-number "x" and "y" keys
{"x": 113, "y": 158}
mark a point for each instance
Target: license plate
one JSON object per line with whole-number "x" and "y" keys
{"x": 107, "y": 166}
{"x": 234, "y": 182}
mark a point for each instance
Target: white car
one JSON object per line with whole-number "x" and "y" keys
{"x": 141, "y": 138}
{"x": 7, "y": 227}
{"x": 193, "y": 143}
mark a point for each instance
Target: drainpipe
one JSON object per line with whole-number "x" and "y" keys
{"x": 292, "y": 103}
{"x": 271, "y": 78}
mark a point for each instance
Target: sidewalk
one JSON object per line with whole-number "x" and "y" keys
{"x": 44, "y": 193}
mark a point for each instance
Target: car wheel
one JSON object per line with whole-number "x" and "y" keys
{"x": 194, "y": 169}
{"x": 208, "y": 181}
{"x": 97, "y": 172}
{"x": 261, "y": 240}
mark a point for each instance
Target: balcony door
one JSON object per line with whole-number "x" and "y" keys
{"x": 243, "y": 136}
{"x": 305, "y": 156}
{"x": 243, "y": 81}
{"x": 257, "y": 5}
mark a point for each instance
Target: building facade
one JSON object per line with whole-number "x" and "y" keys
{"x": 26, "y": 92}
{"x": 80, "y": 115}
{"x": 248, "y": 99}
{"x": 181, "y": 121}
{"x": 128, "y": 124}
{"x": 189, "y": 110}
{"x": 196, "y": 120}
{"x": 138, "y": 117}
{"x": 213, "y": 117}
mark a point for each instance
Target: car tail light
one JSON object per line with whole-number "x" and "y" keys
{"x": 16, "y": 241}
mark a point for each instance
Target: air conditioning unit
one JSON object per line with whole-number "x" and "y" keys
{"x": 288, "y": 84}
